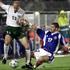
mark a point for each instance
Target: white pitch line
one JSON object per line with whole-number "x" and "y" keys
{"x": 62, "y": 55}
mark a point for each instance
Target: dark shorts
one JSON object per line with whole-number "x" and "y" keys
{"x": 14, "y": 32}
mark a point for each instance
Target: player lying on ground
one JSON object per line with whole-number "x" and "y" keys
{"x": 14, "y": 27}
{"x": 51, "y": 40}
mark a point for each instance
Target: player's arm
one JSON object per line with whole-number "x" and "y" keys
{"x": 3, "y": 6}
{"x": 1, "y": 3}
{"x": 63, "y": 43}
{"x": 22, "y": 21}
{"x": 40, "y": 33}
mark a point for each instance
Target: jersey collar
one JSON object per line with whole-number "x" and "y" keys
{"x": 54, "y": 33}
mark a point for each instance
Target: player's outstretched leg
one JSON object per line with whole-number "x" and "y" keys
{"x": 40, "y": 61}
{"x": 42, "y": 56}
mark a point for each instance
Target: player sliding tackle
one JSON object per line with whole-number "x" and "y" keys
{"x": 51, "y": 40}
{"x": 14, "y": 23}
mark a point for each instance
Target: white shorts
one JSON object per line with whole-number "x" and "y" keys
{"x": 41, "y": 52}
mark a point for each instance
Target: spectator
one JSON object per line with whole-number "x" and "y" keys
{"x": 63, "y": 23}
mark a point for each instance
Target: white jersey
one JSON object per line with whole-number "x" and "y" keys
{"x": 12, "y": 17}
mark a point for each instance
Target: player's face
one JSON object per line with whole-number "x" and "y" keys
{"x": 63, "y": 14}
{"x": 16, "y": 4}
{"x": 52, "y": 28}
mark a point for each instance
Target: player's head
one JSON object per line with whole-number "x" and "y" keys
{"x": 54, "y": 27}
{"x": 62, "y": 13}
{"x": 16, "y": 4}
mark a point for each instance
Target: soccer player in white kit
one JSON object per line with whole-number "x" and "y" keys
{"x": 51, "y": 40}
{"x": 14, "y": 30}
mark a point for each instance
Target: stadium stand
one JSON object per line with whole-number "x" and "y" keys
{"x": 43, "y": 5}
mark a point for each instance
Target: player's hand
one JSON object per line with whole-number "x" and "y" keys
{"x": 69, "y": 48}
{"x": 65, "y": 48}
{"x": 34, "y": 27}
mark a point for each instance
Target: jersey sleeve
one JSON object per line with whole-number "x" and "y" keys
{"x": 22, "y": 12}
{"x": 62, "y": 41}
{"x": 5, "y": 7}
{"x": 40, "y": 33}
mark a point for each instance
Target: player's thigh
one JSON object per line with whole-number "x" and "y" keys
{"x": 40, "y": 53}
{"x": 24, "y": 42}
{"x": 41, "y": 57}
{"x": 45, "y": 58}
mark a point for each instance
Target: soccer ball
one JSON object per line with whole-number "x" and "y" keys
{"x": 13, "y": 64}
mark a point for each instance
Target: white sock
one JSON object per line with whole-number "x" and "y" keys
{"x": 28, "y": 54}
{"x": 6, "y": 49}
{"x": 18, "y": 49}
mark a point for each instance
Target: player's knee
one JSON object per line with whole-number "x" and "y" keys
{"x": 26, "y": 45}
{"x": 7, "y": 39}
{"x": 40, "y": 61}
{"x": 24, "y": 42}
{"x": 44, "y": 59}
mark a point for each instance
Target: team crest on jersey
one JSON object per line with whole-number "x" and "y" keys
{"x": 55, "y": 37}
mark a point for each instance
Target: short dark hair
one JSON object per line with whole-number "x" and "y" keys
{"x": 55, "y": 24}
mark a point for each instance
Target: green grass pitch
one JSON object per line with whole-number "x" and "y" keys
{"x": 60, "y": 63}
